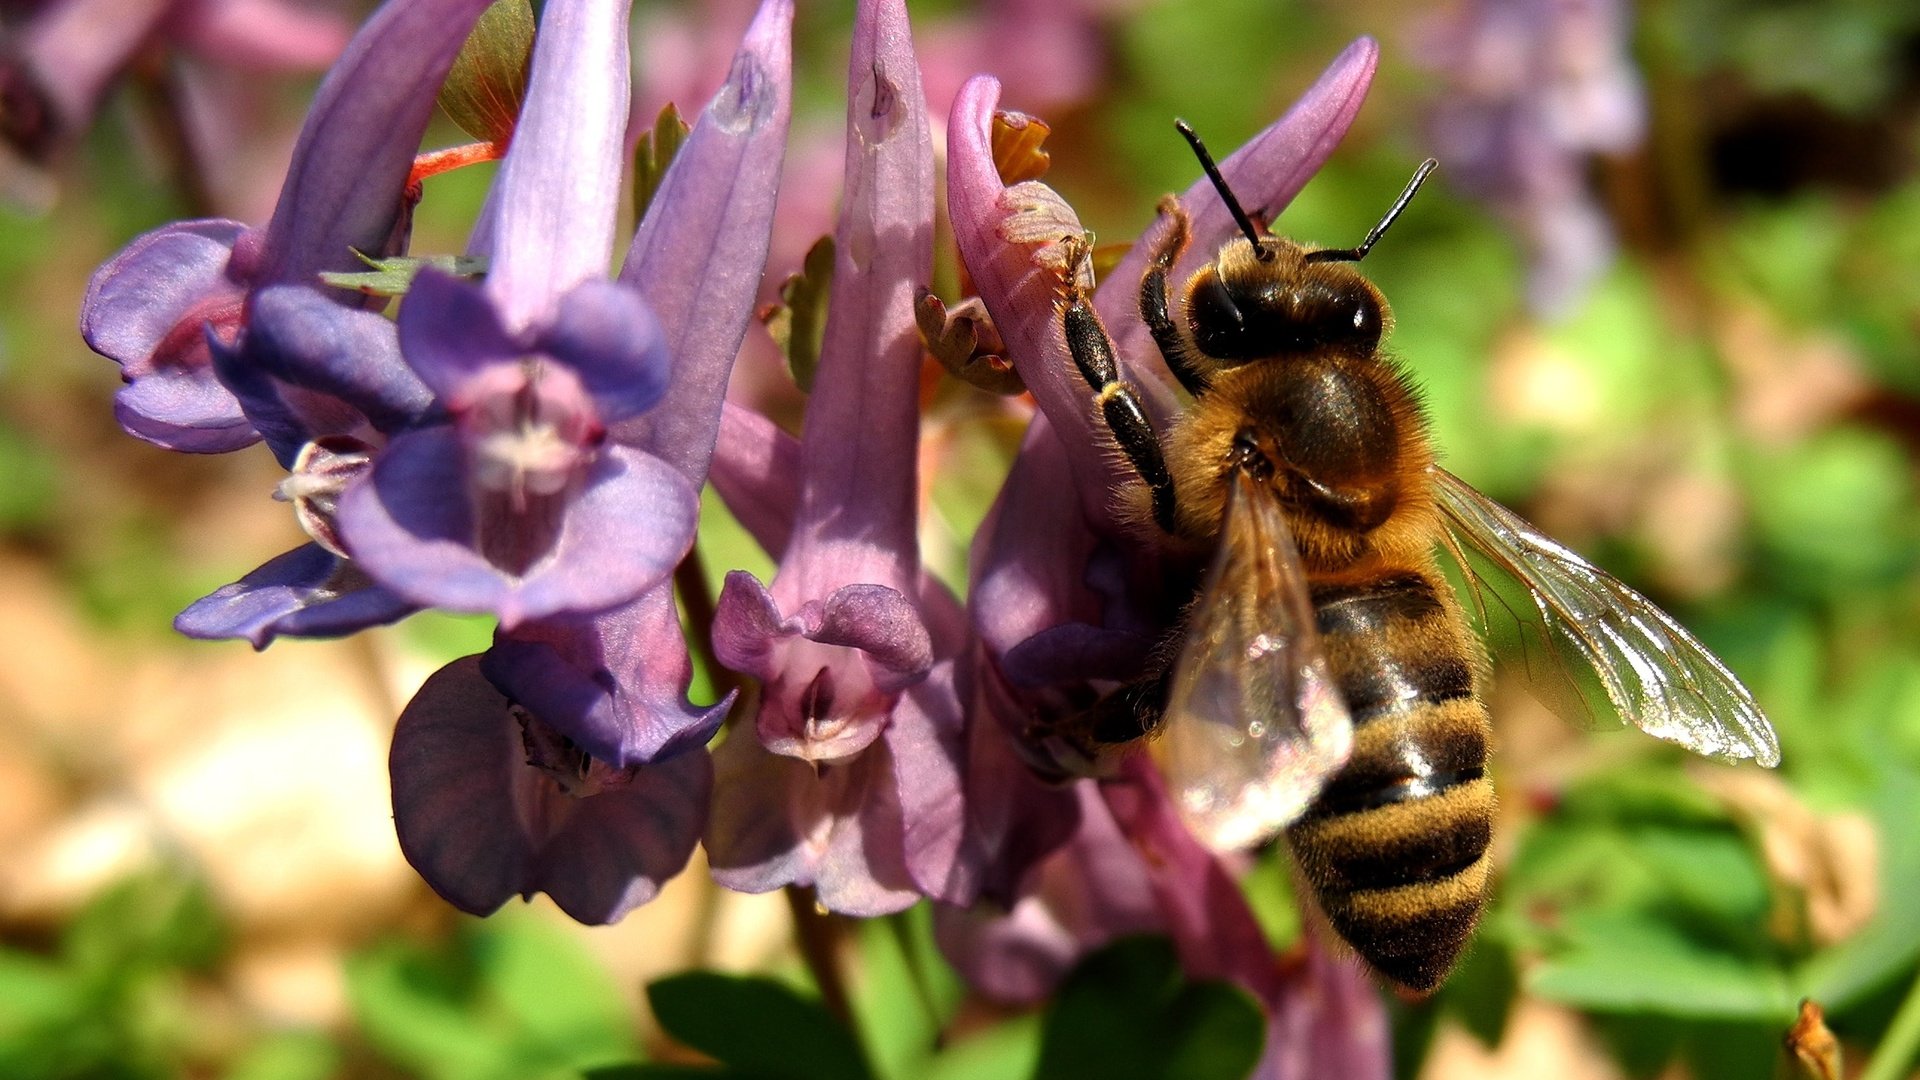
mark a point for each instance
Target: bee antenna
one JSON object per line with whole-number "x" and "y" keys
{"x": 1356, "y": 254}
{"x": 1240, "y": 217}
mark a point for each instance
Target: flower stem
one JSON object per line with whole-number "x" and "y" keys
{"x": 696, "y": 602}
{"x": 819, "y": 940}
{"x": 1896, "y": 1051}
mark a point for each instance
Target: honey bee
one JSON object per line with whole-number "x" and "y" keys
{"x": 1327, "y": 681}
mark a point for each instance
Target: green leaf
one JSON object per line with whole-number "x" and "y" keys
{"x": 1009, "y": 1048}
{"x": 799, "y": 322}
{"x": 163, "y": 918}
{"x": 756, "y": 1025}
{"x": 394, "y": 276}
{"x": 288, "y": 1057}
{"x": 416, "y": 1007}
{"x": 1635, "y": 962}
{"x": 564, "y": 1006}
{"x": 653, "y": 154}
{"x": 1845, "y": 974}
{"x": 488, "y": 81}
{"x": 1127, "y": 1013}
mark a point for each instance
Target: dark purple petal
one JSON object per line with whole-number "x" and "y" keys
{"x": 481, "y": 824}
{"x": 699, "y": 254}
{"x": 457, "y": 758}
{"x": 620, "y": 846}
{"x": 616, "y": 684}
{"x": 557, "y": 195}
{"x": 185, "y": 410}
{"x": 450, "y": 331}
{"x": 345, "y": 185}
{"x": 308, "y": 367}
{"x": 149, "y": 309}
{"x": 411, "y": 526}
{"x": 307, "y": 592}
{"x": 610, "y": 338}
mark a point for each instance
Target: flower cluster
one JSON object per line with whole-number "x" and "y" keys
{"x": 532, "y": 444}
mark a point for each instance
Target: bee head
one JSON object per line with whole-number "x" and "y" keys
{"x": 1266, "y": 296}
{"x": 1270, "y": 300}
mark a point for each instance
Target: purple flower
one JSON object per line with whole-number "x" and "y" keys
{"x": 852, "y": 784}
{"x": 1324, "y": 1016}
{"x": 490, "y": 802}
{"x": 155, "y": 307}
{"x": 518, "y": 504}
{"x": 616, "y": 683}
{"x": 1534, "y": 89}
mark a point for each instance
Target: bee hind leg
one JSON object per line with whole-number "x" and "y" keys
{"x": 1119, "y": 404}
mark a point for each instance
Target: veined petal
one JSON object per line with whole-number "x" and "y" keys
{"x": 1084, "y": 894}
{"x": 482, "y": 825}
{"x": 149, "y": 309}
{"x": 409, "y": 525}
{"x": 781, "y": 821}
{"x": 558, "y": 192}
{"x": 860, "y": 496}
{"x": 699, "y": 254}
{"x": 450, "y": 331}
{"x": 308, "y": 592}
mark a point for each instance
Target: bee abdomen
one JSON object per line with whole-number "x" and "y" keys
{"x": 1396, "y": 845}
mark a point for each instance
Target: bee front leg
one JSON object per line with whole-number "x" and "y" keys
{"x": 1119, "y": 404}
{"x": 1156, "y": 310}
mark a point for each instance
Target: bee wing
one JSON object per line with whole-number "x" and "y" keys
{"x": 1253, "y": 724}
{"x": 1655, "y": 675}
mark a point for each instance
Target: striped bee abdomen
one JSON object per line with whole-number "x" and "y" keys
{"x": 1396, "y": 845}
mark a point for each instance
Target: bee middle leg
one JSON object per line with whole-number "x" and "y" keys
{"x": 1119, "y": 404}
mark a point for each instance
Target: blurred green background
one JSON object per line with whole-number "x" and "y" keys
{"x": 197, "y": 870}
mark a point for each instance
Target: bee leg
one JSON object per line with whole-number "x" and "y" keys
{"x": 1119, "y": 405}
{"x": 1155, "y": 308}
{"x": 1130, "y": 713}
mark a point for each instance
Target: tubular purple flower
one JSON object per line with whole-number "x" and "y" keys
{"x": 1324, "y": 1017}
{"x": 152, "y": 307}
{"x": 518, "y": 505}
{"x": 616, "y": 683}
{"x": 855, "y": 639}
{"x": 853, "y": 784}
{"x": 1087, "y": 892}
